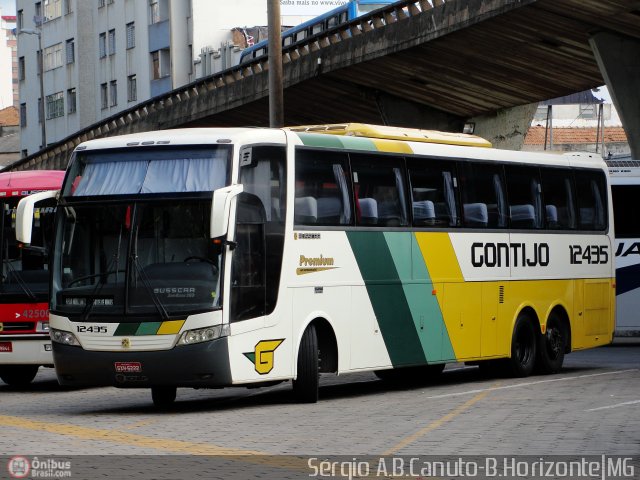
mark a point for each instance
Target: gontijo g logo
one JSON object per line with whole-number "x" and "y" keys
{"x": 263, "y": 355}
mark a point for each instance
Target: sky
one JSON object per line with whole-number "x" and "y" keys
{"x": 8, "y": 7}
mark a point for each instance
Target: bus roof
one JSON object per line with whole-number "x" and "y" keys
{"x": 22, "y": 183}
{"x": 395, "y": 133}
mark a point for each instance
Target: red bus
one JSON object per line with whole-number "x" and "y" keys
{"x": 24, "y": 286}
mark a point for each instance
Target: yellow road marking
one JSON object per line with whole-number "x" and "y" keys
{"x": 122, "y": 438}
{"x": 141, "y": 423}
{"x": 433, "y": 425}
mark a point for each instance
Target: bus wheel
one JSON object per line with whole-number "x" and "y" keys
{"x": 523, "y": 347}
{"x": 163, "y": 397}
{"x": 305, "y": 387}
{"x": 18, "y": 375}
{"x": 552, "y": 345}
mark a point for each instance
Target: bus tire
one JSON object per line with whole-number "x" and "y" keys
{"x": 551, "y": 346}
{"x": 18, "y": 375}
{"x": 523, "y": 347}
{"x": 305, "y": 387}
{"x": 163, "y": 397}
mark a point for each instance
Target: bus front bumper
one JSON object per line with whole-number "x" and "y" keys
{"x": 201, "y": 365}
{"x": 34, "y": 349}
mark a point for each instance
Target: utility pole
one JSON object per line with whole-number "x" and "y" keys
{"x": 276, "y": 95}
{"x": 41, "y": 74}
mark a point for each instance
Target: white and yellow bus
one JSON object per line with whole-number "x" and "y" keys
{"x": 243, "y": 257}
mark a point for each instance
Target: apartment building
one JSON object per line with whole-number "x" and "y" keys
{"x": 8, "y": 62}
{"x": 100, "y": 57}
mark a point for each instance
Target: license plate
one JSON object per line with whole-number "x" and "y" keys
{"x": 128, "y": 367}
{"x": 6, "y": 347}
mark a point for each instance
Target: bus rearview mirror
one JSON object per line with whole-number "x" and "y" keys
{"x": 24, "y": 214}
{"x": 221, "y": 209}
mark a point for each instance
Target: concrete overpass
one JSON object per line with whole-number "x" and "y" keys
{"x": 419, "y": 63}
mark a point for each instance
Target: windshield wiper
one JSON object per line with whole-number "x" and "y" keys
{"x": 164, "y": 315}
{"x": 19, "y": 280}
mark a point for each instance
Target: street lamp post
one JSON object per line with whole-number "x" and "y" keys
{"x": 41, "y": 73}
{"x": 276, "y": 95}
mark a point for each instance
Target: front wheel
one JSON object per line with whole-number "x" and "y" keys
{"x": 305, "y": 387}
{"x": 523, "y": 347}
{"x": 551, "y": 346}
{"x": 163, "y": 397}
{"x": 18, "y": 375}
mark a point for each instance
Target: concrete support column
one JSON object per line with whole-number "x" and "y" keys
{"x": 506, "y": 128}
{"x": 618, "y": 58}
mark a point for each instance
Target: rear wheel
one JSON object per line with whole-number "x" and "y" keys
{"x": 305, "y": 387}
{"x": 523, "y": 347}
{"x": 551, "y": 346}
{"x": 163, "y": 397}
{"x": 18, "y": 375}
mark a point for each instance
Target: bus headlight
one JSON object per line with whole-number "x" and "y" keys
{"x": 203, "y": 334}
{"x": 66, "y": 338}
{"x": 42, "y": 326}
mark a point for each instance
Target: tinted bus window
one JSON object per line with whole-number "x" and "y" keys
{"x": 525, "y": 197}
{"x": 433, "y": 194}
{"x": 559, "y": 198}
{"x": 592, "y": 200}
{"x": 322, "y": 189}
{"x": 379, "y": 190}
{"x": 627, "y": 221}
{"x": 483, "y": 195}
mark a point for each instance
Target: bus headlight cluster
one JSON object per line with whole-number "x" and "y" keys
{"x": 203, "y": 334}
{"x": 66, "y": 338}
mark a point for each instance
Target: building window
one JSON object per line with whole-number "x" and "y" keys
{"x": 70, "y": 51}
{"x": 102, "y": 45}
{"x": 52, "y": 9}
{"x": 71, "y": 100}
{"x": 154, "y": 11}
{"x": 53, "y": 57}
{"x": 588, "y": 111}
{"x": 160, "y": 63}
{"x": 100, "y": 3}
{"x": 37, "y": 19}
{"x": 104, "y": 96}
{"x": 131, "y": 35}
{"x": 114, "y": 92}
{"x": 20, "y": 19}
{"x": 55, "y": 105}
{"x": 21, "y": 69}
{"x": 23, "y": 115}
{"x": 112, "y": 42}
{"x": 24, "y": 153}
{"x": 132, "y": 88}
{"x": 67, "y": 7}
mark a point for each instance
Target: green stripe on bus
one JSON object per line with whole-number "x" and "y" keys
{"x": 387, "y": 297}
{"x": 148, "y": 328}
{"x": 357, "y": 143}
{"x": 418, "y": 288}
{"x": 320, "y": 140}
{"x": 126, "y": 329}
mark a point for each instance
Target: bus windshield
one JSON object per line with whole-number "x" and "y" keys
{"x": 146, "y": 250}
{"x": 25, "y": 275}
{"x": 136, "y": 258}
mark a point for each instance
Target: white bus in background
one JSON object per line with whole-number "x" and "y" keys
{"x": 625, "y": 189}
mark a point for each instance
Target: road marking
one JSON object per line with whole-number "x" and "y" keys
{"x": 433, "y": 425}
{"x": 527, "y": 384}
{"x": 141, "y": 423}
{"x": 122, "y": 438}
{"x": 613, "y": 406}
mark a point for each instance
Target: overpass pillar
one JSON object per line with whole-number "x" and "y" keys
{"x": 505, "y": 128}
{"x": 617, "y": 57}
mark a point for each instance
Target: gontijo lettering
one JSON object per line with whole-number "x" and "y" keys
{"x": 509, "y": 254}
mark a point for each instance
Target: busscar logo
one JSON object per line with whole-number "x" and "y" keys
{"x": 263, "y": 355}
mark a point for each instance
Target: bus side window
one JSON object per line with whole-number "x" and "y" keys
{"x": 592, "y": 200}
{"x": 323, "y": 193}
{"x": 624, "y": 196}
{"x": 483, "y": 195}
{"x": 433, "y": 194}
{"x": 525, "y": 197}
{"x": 378, "y": 183}
{"x": 559, "y": 198}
